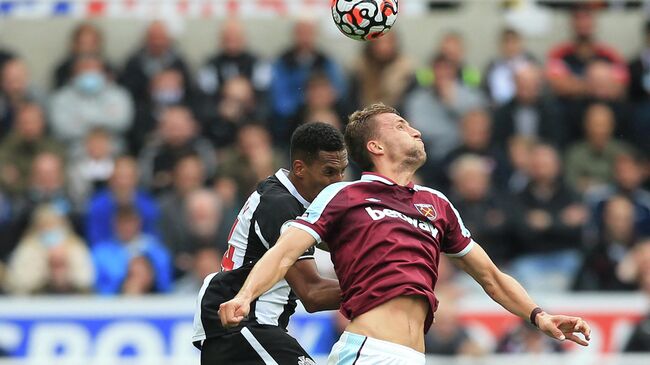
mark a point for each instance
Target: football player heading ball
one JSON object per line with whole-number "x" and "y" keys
{"x": 364, "y": 20}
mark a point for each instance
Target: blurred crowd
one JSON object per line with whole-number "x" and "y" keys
{"x": 125, "y": 179}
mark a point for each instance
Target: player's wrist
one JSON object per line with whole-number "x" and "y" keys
{"x": 535, "y": 315}
{"x": 244, "y": 295}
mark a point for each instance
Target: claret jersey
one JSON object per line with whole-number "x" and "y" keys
{"x": 385, "y": 239}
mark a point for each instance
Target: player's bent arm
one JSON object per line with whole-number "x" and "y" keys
{"x": 275, "y": 263}
{"x": 315, "y": 292}
{"x": 506, "y": 291}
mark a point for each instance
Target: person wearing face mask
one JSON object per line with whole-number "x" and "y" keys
{"x": 90, "y": 100}
{"x": 50, "y": 258}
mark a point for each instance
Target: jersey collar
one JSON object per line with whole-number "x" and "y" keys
{"x": 373, "y": 176}
{"x": 282, "y": 175}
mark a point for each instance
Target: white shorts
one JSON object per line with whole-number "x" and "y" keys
{"x": 361, "y": 350}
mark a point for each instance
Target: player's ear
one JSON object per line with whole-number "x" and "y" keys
{"x": 375, "y": 147}
{"x": 298, "y": 167}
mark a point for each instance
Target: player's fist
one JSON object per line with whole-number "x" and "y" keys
{"x": 234, "y": 311}
{"x": 564, "y": 327}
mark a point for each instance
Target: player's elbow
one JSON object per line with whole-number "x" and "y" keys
{"x": 310, "y": 307}
{"x": 310, "y": 302}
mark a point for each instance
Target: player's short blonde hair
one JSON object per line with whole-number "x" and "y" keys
{"x": 360, "y": 129}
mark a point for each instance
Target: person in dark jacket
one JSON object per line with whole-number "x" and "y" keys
{"x": 548, "y": 220}
{"x": 156, "y": 54}
{"x": 529, "y": 113}
{"x": 234, "y": 59}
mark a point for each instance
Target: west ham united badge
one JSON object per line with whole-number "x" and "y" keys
{"x": 427, "y": 210}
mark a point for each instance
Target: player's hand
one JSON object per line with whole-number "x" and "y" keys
{"x": 233, "y": 311}
{"x": 564, "y": 327}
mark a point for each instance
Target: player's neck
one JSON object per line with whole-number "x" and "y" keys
{"x": 400, "y": 176}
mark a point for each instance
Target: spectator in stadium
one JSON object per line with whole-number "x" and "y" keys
{"x": 452, "y": 47}
{"x": 499, "y": 82}
{"x": 236, "y": 106}
{"x": 639, "y": 68}
{"x": 476, "y": 135}
{"x": 613, "y": 242}
{"x": 436, "y": 111}
{"x": 86, "y": 39}
{"x": 566, "y": 66}
{"x": 629, "y": 175}
{"x": 590, "y": 162}
{"x": 166, "y": 89}
{"x": 177, "y": 135}
{"x": 46, "y": 185}
{"x": 140, "y": 277}
{"x": 448, "y": 336}
{"x": 122, "y": 190}
{"x": 291, "y": 71}
{"x": 320, "y": 97}
{"x": 18, "y": 150}
{"x": 174, "y": 224}
{"x": 90, "y": 169}
{"x": 639, "y": 260}
{"x": 639, "y": 93}
{"x": 602, "y": 87}
{"x": 234, "y": 59}
{"x": 88, "y": 101}
{"x": 548, "y": 219}
{"x": 206, "y": 260}
{"x": 519, "y": 152}
{"x": 156, "y": 54}
{"x": 252, "y": 160}
{"x": 113, "y": 257}
{"x": 203, "y": 228}
{"x": 526, "y": 339}
{"x": 485, "y": 212}
{"x": 382, "y": 73}
{"x": 530, "y": 112}
{"x": 16, "y": 88}
{"x": 50, "y": 258}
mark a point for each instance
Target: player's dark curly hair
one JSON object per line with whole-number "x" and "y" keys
{"x": 360, "y": 129}
{"x": 313, "y": 137}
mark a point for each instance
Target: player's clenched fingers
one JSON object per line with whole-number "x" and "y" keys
{"x": 226, "y": 313}
{"x": 576, "y": 339}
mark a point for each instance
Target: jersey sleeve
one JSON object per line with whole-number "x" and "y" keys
{"x": 323, "y": 213}
{"x": 457, "y": 241}
{"x": 272, "y": 214}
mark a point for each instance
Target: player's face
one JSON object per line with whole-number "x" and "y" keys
{"x": 402, "y": 143}
{"x": 327, "y": 169}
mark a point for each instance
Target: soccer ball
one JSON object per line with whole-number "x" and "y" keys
{"x": 364, "y": 19}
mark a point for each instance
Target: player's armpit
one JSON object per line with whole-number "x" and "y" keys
{"x": 275, "y": 263}
{"x": 323, "y": 246}
{"x": 315, "y": 292}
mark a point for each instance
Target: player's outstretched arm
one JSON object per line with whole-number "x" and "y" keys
{"x": 315, "y": 292}
{"x": 506, "y": 291}
{"x": 267, "y": 272}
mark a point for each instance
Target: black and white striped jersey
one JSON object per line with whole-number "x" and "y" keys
{"x": 255, "y": 230}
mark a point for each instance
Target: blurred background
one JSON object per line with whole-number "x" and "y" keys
{"x": 131, "y": 131}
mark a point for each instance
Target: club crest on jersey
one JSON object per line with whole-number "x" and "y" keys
{"x": 427, "y": 210}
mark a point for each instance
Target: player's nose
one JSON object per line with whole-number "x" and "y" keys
{"x": 415, "y": 133}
